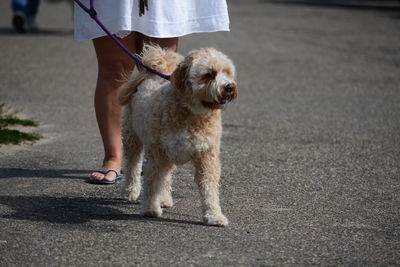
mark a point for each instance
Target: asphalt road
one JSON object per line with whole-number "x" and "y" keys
{"x": 310, "y": 153}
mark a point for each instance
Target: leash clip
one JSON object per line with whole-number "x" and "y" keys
{"x": 92, "y": 13}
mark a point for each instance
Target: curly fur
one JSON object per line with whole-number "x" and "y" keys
{"x": 161, "y": 60}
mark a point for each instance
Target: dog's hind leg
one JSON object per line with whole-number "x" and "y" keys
{"x": 207, "y": 176}
{"x": 132, "y": 165}
{"x": 156, "y": 177}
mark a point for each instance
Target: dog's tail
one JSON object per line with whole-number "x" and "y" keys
{"x": 130, "y": 87}
{"x": 153, "y": 56}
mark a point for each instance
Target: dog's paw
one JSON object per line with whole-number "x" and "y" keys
{"x": 215, "y": 219}
{"x": 151, "y": 212}
{"x": 131, "y": 193}
{"x": 167, "y": 202}
{"x": 133, "y": 198}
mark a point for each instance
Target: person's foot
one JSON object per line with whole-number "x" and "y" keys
{"x": 23, "y": 24}
{"x": 108, "y": 165}
{"x": 19, "y": 22}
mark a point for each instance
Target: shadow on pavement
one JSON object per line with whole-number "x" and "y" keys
{"x": 41, "y": 32}
{"x": 43, "y": 173}
{"x": 73, "y": 211}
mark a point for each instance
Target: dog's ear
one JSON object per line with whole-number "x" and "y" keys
{"x": 179, "y": 78}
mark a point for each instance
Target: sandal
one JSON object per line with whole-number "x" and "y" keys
{"x": 118, "y": 177}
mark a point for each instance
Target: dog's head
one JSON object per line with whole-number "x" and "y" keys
{"x": 205, "y": 79}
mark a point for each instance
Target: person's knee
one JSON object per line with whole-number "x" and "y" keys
{"x": 115, "y": 71}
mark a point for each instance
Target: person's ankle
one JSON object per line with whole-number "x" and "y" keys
{"x": 112, "y": 161}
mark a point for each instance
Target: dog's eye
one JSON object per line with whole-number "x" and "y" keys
{"x": 211, "y": 74}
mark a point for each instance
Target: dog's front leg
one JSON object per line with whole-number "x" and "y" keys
{"x": 156, "y": 176}
{"x": 207, "y": 177}
{"x": 166, "y": 196}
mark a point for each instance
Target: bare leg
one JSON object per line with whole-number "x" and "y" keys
{"x": 112, "y": 64}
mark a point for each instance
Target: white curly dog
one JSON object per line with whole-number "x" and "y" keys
{"x": 176, "y": 122}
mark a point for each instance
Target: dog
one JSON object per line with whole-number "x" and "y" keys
{"x": 174, "y": 122}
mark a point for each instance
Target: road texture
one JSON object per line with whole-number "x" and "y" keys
{"x": 310, "y": 152}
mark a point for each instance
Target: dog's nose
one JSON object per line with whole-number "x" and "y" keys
{"x": 229, "y": 89}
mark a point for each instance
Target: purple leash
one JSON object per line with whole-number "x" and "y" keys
{"x": 93, "y": 14}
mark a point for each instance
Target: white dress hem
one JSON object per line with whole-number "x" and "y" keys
{"x": 120, "y": 28}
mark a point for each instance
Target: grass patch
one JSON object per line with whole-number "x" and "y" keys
{"x": 6, "y": 121}
{"x": 16, "y": 137}
{"x": 12, "y": 136}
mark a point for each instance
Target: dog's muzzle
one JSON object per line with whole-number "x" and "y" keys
{"x": 228, "y": 94}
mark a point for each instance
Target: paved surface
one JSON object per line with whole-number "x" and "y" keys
{"x": 311, "y": 149}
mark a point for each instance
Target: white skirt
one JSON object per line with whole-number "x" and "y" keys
{"x": 163, "y": 19}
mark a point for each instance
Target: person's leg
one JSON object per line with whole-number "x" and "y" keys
{"x": 32, "y": 8}
{"x": 170, "y": 43}
{"x": 19, "y": 17}
{"x": 24, "y": 18}
{"x": 31, "y": 12}
{"x": 19, "y": 5}
{"x": 113, "y": 63}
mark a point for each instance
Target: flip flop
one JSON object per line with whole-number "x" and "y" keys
{"x": 118, "y": 177}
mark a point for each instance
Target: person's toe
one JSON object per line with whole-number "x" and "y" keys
{"x": 97, "y": 176}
